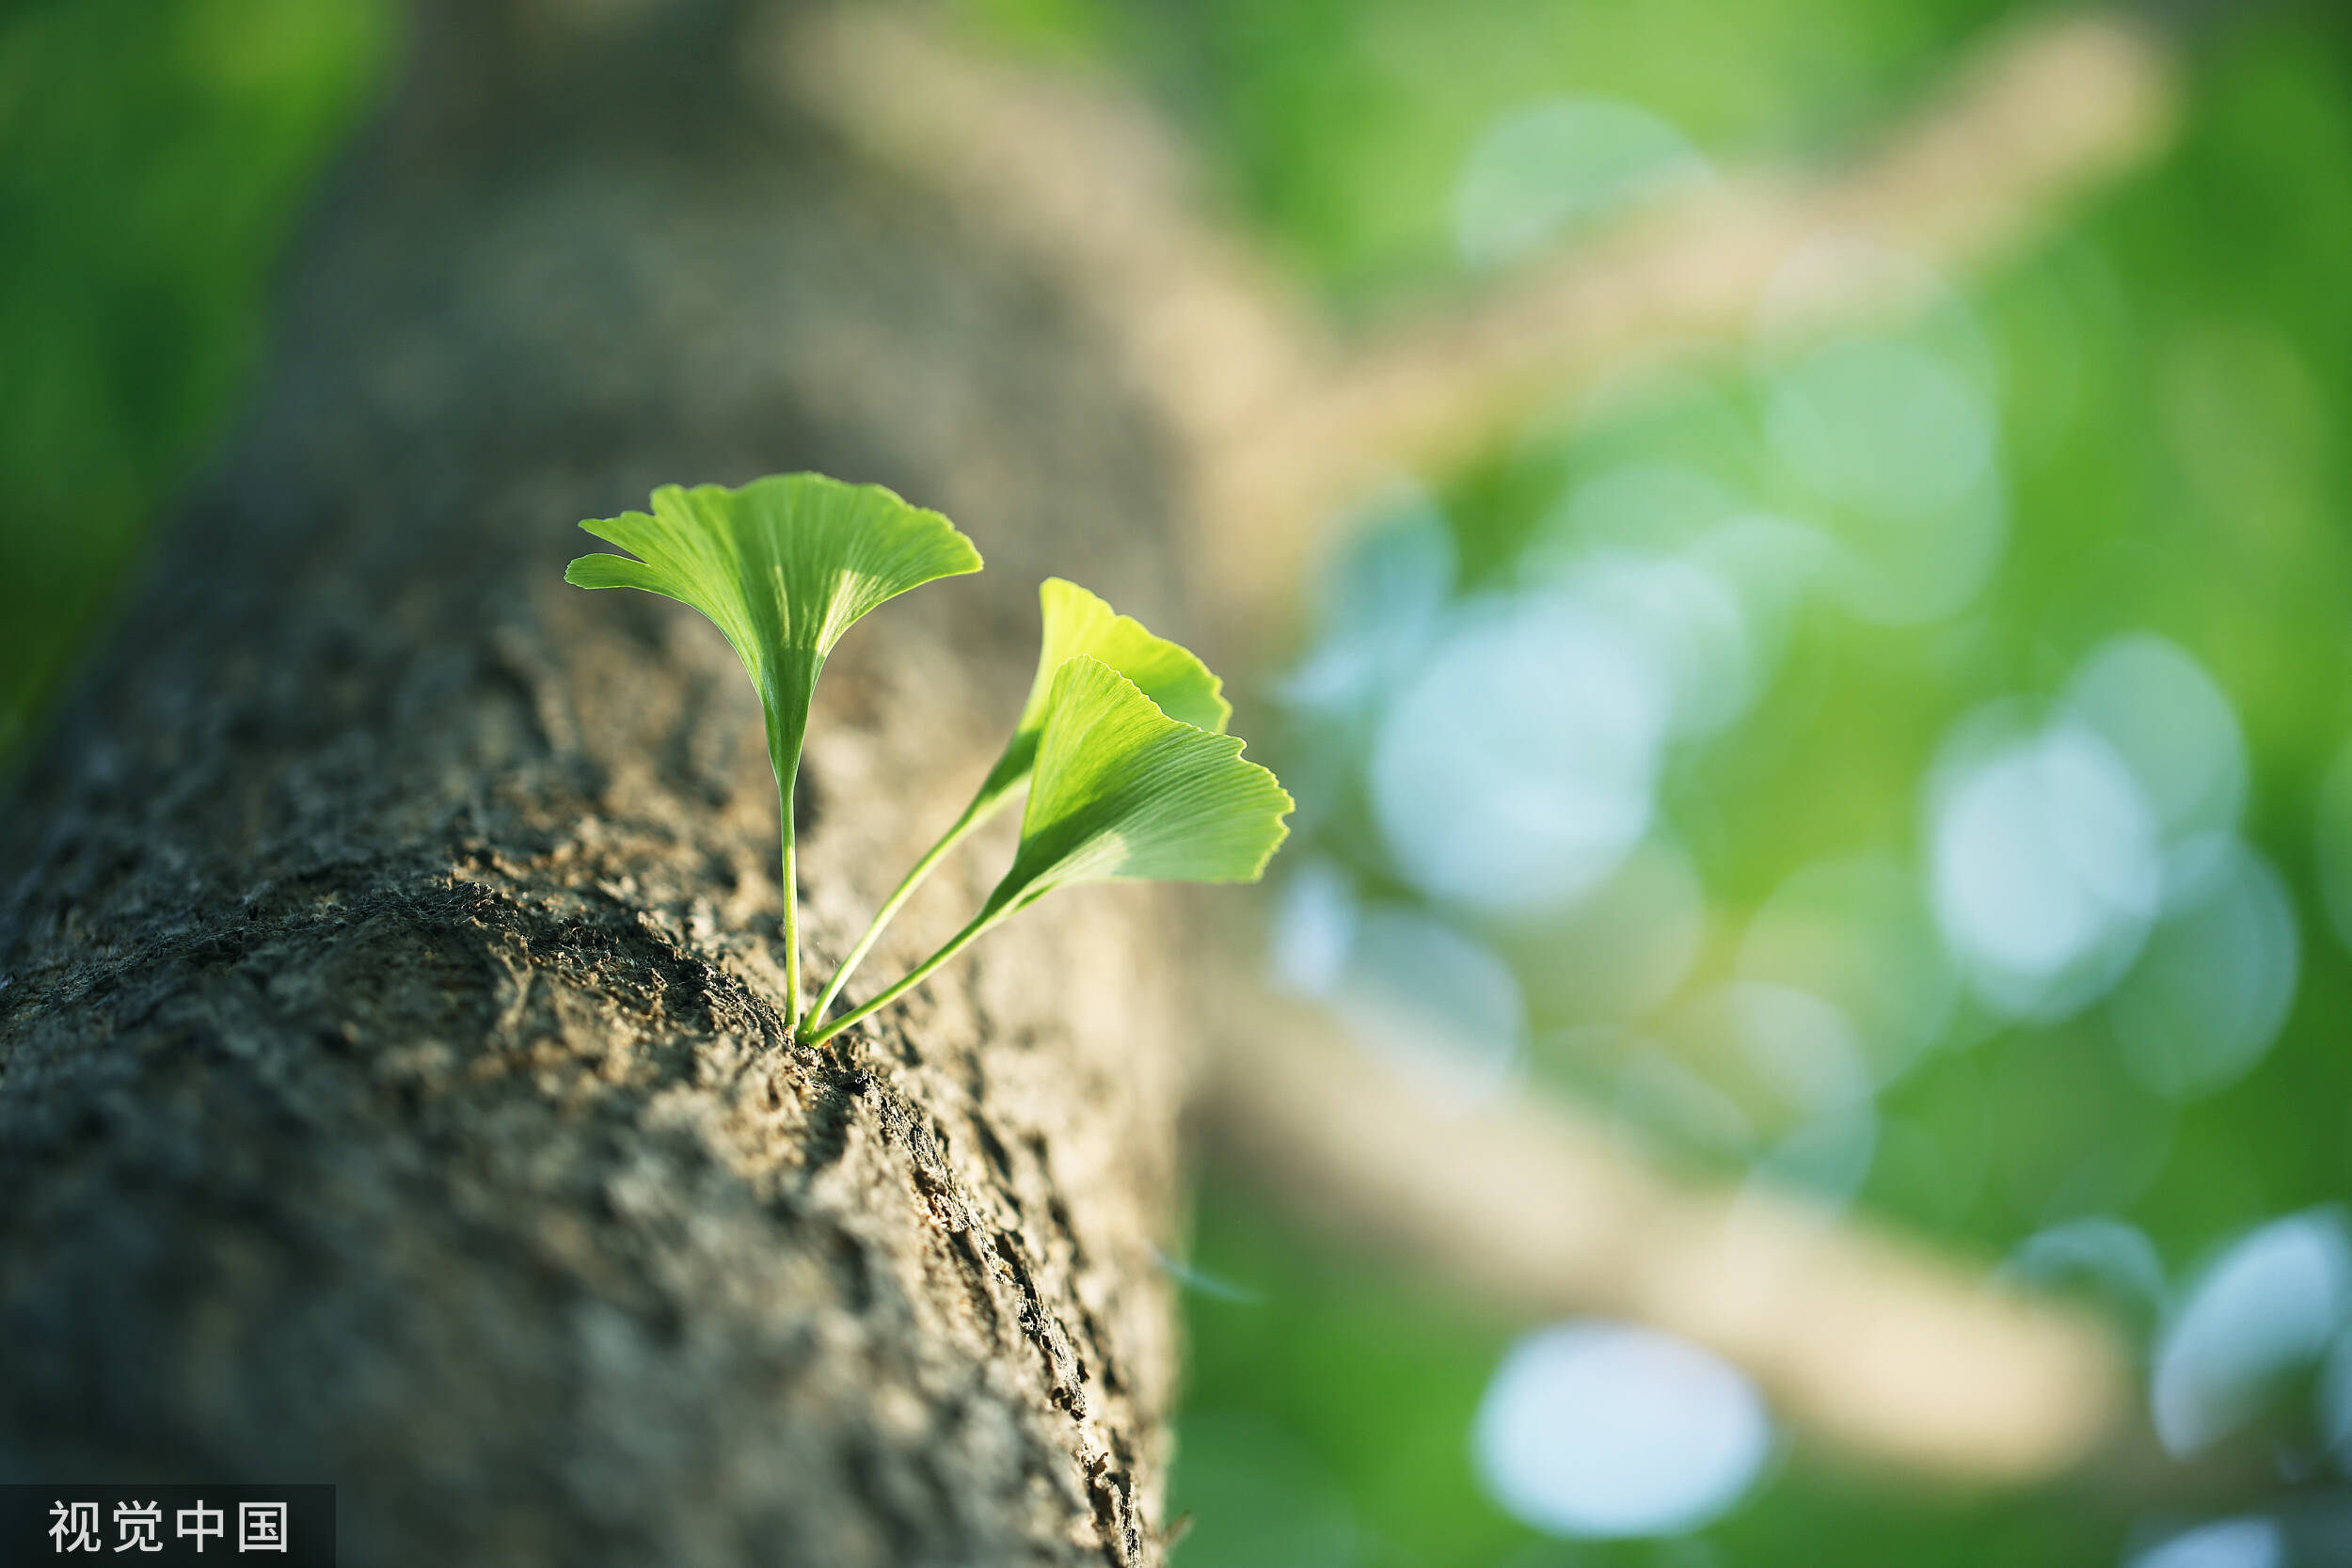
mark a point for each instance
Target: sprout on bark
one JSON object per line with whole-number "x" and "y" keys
{"x": 782, "y": 567}
{"x": 1121, "y": 743}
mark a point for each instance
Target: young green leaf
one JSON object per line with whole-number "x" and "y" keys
{"x": 1124, "y": 791}
{"x": 1076, "y": 623}
{"x": 1081, "y": 624}
{"x": 782, "y": 567}
{"x": 1121, "y": 791}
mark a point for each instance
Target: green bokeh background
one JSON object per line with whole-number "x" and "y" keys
{"x": 2174, "y": 367}
{"x": 155, "y": 157}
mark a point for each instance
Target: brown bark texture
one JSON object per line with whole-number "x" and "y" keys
{"x": 395, "y": 1087}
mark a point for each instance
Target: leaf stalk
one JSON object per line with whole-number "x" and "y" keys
{"x": 984, "y": 805}
{"x": 916, "y": 977}
{"x": 787, "y": 775}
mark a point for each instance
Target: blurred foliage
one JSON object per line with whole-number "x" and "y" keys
{"x": 1341, "y": 125}
{"x": 2170, "y": 378}
{"x": 1325, "y": 1390}
{"x": 2173, "y": 386}
{"x": 157, "y": 153}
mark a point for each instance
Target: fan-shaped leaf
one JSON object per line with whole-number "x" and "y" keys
{"x": 782, "y": 567}
{"x": 1080, "y": 624}
{"x": 1076, "y": 623}
{"x": 1120, "y": 791}
{"x": 1123, "y": 791}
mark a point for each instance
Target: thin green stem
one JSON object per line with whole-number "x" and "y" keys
{"x": 915, "y": 978}
{"x": 791, "y": 890}
{"x": 980, "y": 810}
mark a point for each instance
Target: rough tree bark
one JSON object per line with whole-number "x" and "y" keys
{"x": 394, "y": 1087}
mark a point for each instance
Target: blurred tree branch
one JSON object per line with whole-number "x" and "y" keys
{"x": 1284, "y": 421}
{"x": 1867, "y": 1340}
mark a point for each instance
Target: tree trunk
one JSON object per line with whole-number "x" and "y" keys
{"x": 394, "y": 1080}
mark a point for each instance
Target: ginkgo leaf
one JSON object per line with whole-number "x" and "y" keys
{"x": 1076, "y": 623}
{"x": 1120, "y": 791}
{"x": 1124, "y": 791}
{"x": 782, "y": 567}
{"x": 1080, "y": 624}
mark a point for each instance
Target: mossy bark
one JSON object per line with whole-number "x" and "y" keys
{"x": 395, "y": 1087}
